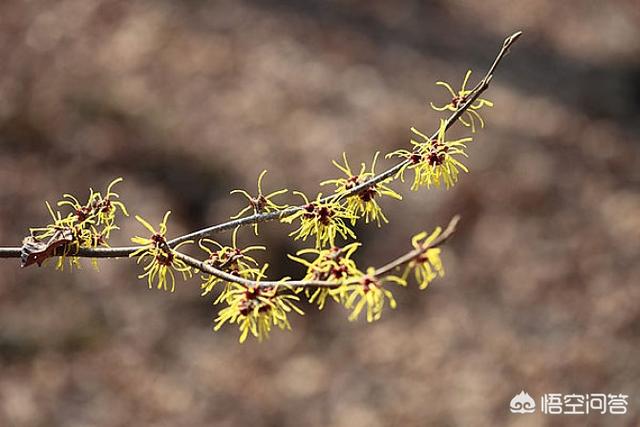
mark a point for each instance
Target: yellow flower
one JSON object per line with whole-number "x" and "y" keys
{"x": 428, "y": 265}
{"x": 162, "y": 260}
{"x": 108, "y": 205}
{"x": 257, "y": 309}
{"x": 88, "y": 225}
{"x": 99, "y": 210}
{"x": 231, "y": 259}
{"x": 59, "y": 223}
{"x": 369, "y": 292}
{"x": 260, "y": 203}
{"x": 363, "y": 203}
{"x": 459, "y": 98}
{"x": 331, "y": 265}
{"x": 433, "y": 162}
{"x": 323, "y": 219}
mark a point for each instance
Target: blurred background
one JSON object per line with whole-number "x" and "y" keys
{"x": 189, "y": 100}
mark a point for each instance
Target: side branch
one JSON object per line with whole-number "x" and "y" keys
{"x": 398, "y": 262}
{"x": 410, "y": 256}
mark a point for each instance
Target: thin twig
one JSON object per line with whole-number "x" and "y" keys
{"x": 410, "y": 256}
{"x": 99, "y": 252}
{"x": 387, "y": 268}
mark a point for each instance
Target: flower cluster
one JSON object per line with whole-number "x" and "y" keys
{"x": 324, "y": 219}
{"x": 260, "y": 203}
{"x": 363, "y": 203}
{"x": 231, "y": 259}
{"x": 459, "y": 98}
{"x": 433, "y": 161}
{"x": 161, "y": 258}
{"x": 427, "y": 264}
{"x": 368, "y": 292}
{"x": 87, "y": 225}
{"x": 329, "y": 265}
{"x": 256, "y": 309}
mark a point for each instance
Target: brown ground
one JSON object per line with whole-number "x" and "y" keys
{"x": 188, "y": 100}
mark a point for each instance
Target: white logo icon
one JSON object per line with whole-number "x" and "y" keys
{"x": 522, "y": 403}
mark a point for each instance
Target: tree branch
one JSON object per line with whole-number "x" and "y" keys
{"x": 120, "y": 252}
{"x": 410, "y": 256}
{"x": 398, "y": 262}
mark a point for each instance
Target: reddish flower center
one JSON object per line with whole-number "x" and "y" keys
{"x": 339, "y": 272}
{"x": 352, "y": 181}
{"x": 82, "y": 213}
{"x": 367, "y": 283}
{"x": 258, "y": 203}
{"x": 368, "y": 193}
{"x": 436, "y": 159}
{"x": 415, "y": 158}
{"x": 309, "y": 211}
{"x": 165, "y": 258}
{"x": 324, "y": 215}
{"x": 456, "y": 101}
